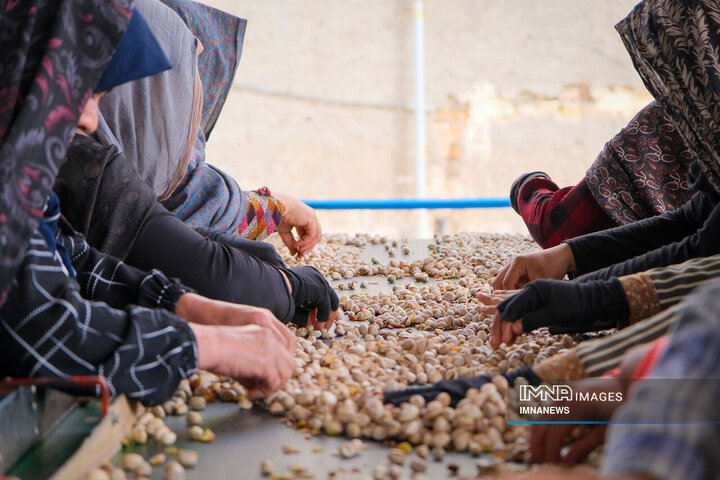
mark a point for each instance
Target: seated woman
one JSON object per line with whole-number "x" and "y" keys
{"x": 692, "y": 231}
{"x": 170, "y": 155}
{"x": 106, "y": 199}
{"x": 641, "y": 172}
{"x": 67, "y": 309}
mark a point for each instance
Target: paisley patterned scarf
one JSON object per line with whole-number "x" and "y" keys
{"x": 675, "y": 46}
{"x": 643, "y": 170}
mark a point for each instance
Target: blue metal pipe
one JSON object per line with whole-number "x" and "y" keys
{"x": 407, "y": 203}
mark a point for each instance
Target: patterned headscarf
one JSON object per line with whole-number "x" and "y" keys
{"x": 52, "y": 55}
{"x": 222, "y": 36}
{"x": 675, "y": 46}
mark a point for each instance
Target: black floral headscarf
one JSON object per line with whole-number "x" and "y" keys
{"x": 675, "y": 46}
{"x": 52, "y": 55}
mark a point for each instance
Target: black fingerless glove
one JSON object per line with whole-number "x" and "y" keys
{"x": 310, "y": 290}
{"x": 568, "y": 307}
{"x": 457, "y": 389}
{"x": 261, "y": 250}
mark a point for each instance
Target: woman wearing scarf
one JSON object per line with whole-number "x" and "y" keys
{"x": 68, "y": 309}
{"x": 675, "y": 57}
{"x": 648, "y": 300}
{"x": 111, "y": 181}
{"x": 641, "y": 172}
{"x": 198, "y": 193}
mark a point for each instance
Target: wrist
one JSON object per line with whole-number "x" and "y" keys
{"x": 640, "y": 296}
{"x": 565, "y": 253}
{"x": 192, "y": 307}
{"x": 206, "y": 339}
{"x": 291, "y": 281}
{"x": 287, "y": 202}
{"x": 619, "y": 300}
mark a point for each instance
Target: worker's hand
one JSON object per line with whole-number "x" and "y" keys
{"x": 315, "y": 299}
{"x": 198, "y": 309}
{"x": 547, "y": 441}
{"x": 305, "y": 222}
{"x": 554, "y": 263}
{"x": 250, "y": 354}
{"x": 311, "y": 318}
{"x": 564, "y": 307}
{"x": 490, "y": 301}
{"x": 504, "y": 332}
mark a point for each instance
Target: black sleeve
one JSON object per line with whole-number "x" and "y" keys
{"x": 602, "y": 249}
{"x": 49, "y": 329}
{"x": 109, "y": 280}
{"x": 213, "y": 269}
{"x": 257, "y": 248}
{"x": 704, "y": 242}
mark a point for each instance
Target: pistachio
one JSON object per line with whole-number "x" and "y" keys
{"x": 380, "y": 473}
{"x": 422, "y": 450}
{"x": 174, "y": 471}
{"x": 408, "y": 412}
{"x": 144, "y": 469}
{"x": 418, "y": 466}
{"x": 97, "y": 474}
{"x": 187, "y": 458}
{"x": 397, "y": 456}
{"x": 350, "y": 449}
{"x": 139, "y": 435}
{"x": 117, "y": 474}
{"x": 437, "y": 453}
{"x": 130, "y": 461}
{"x": 266, "y": 468}
{"x": 168, "y": 437}
{"x": 193, "y": 418}
{"x": 198, "y": 403}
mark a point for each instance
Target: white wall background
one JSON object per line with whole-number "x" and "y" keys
{"x": 322, "y": 101}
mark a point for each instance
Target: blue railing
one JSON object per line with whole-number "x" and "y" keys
{"x": 408, "y": 203}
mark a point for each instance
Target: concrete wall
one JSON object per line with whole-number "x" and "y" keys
{"x": 322, "y": 102}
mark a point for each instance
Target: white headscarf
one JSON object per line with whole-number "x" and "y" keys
{"x": 156, "y": 119}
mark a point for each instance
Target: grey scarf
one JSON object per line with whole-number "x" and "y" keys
{"x": 155, "y": 120}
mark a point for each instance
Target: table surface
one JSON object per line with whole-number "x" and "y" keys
{"x": 245, "y": 438}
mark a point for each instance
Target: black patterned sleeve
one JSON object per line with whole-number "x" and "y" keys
{"x": 110, "y": 280}
{"x": 50, "y": 329}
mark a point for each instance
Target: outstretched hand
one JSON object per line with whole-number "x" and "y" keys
{"x": 565, "y": 307}
{"x": 554, "y": 263}
{"x": 201, "y": 310}
{"x": 316, "y": 302}
{"x": 490, "y": 301}
{"x": 250, "y": 354}
{"x": 304, "y": 220}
